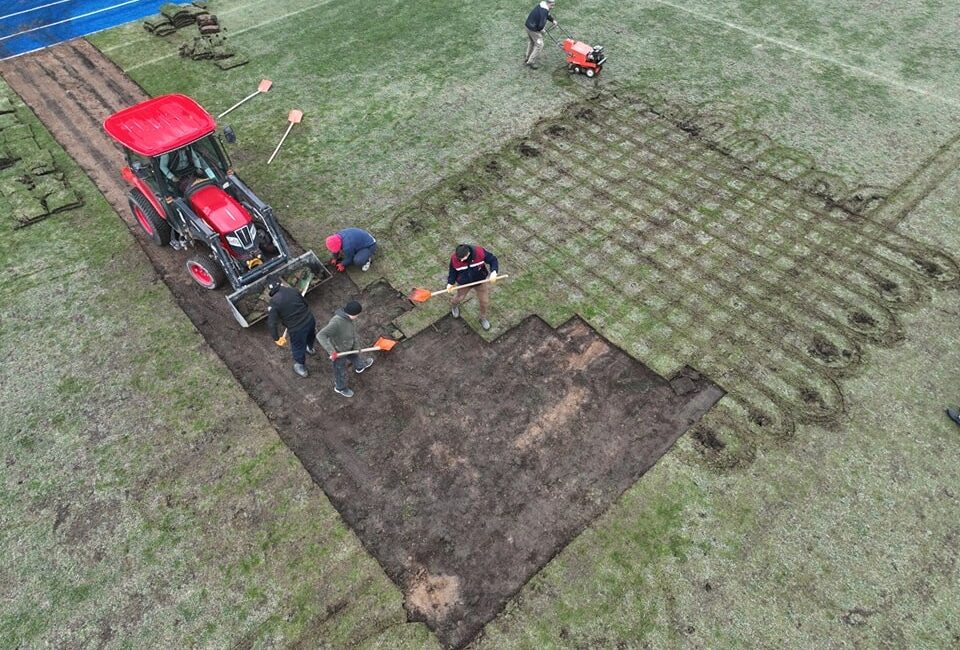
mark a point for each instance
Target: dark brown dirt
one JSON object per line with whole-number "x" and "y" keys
{"x": 463, "y": 466}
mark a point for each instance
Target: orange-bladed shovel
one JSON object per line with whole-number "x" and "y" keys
{"x": 423, "y": 295}
{"x": 262, "y": 88}
{"x": 381, "y": 345}
{"x": 294, "y": 117}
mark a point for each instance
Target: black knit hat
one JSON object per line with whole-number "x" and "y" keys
{"x": 353, "y": 308}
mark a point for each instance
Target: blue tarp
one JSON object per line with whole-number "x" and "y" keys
{"x": 27, "y": 25}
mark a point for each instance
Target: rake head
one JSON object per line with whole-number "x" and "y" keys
{"x": 420, "y": 295}
{"x": 384, "y": 344}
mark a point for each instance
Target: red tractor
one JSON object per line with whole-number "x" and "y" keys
{"x": 185, "y": 194}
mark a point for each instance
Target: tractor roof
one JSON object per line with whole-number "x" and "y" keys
{"x": 159, "y": 125}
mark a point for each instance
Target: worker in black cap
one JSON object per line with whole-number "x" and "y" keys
{"x": 470, "y": 264}
{"x": 289, "y": 308}
{"x": 340, "y": 335}
{"x": 535, "y": 24}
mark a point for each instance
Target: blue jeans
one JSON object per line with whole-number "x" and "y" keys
{"x": 340, "y": 368}
{"x": 363, "y": 255}
{"x": 305, "y": 337}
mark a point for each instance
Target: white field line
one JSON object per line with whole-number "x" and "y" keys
{"x": 812, "y": 54}
{"x": 26, "y": 11}
{"x": 236, "y": 33}
{"x": 67, "y": 20}
{"x": 225, "y": 12}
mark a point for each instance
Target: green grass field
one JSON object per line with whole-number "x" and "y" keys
{"x": 136, "y": 514}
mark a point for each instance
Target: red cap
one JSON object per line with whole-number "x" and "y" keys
{"x": 334, "y": 243}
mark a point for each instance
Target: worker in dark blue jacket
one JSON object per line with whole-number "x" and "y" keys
{"x": 536, "y": 22}
{"x": 351, "y": 246}
{"x": 470, "y": 264}
{"x": 288, "y": 308}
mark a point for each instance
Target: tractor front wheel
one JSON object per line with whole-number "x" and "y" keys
{"x": 577, "y": 69}
{"x": 590, "y": 72}
{"x": 156, "y": 227}
{"x": 205, "y": 272}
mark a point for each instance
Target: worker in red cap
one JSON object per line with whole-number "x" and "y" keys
{"x": 351, "y": 246}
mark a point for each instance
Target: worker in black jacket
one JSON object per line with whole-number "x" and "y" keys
{"x": 470, "y": 264}
{"x": 536, "y": 22}
{"x": 288, "y": 307}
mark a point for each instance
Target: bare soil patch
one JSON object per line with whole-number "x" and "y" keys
{"x": 463, "y": 466}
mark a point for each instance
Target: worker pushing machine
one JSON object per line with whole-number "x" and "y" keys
{"x": 535, "y": 24}
{"x": 470, "y": 264}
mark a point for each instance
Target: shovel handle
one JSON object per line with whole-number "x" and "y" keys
{"x": 361, "y": 351}
{"x": 250, "y": 96}
{"x": 275, "y": 151}
{"x": 470, "y": 284}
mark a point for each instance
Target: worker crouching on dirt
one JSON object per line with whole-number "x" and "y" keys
{"x": 536, "y": 22}
{"x": 288, "y": 307}
{"x": 340, "y": 335}
{"x": 469, "y": 264}
{"x": 351, "y": 246}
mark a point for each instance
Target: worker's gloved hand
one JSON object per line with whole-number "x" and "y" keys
{"x": 282, "y": 341}
{"x": 333, "y": 356}
{"x": 341, "y": 267}
{"x": 493, "y": 277}
{"x": 451, "y": 288}
{"x": 556, "y": 24}
{"x": 333, "y": 261}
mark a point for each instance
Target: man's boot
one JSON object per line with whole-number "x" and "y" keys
{"x": 346, "y": 392}
{"x": 300, "y": 369}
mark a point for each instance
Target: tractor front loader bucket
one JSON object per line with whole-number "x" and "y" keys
{"x": 249, "y": 304}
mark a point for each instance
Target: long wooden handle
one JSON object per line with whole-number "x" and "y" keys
{"x": 274, "y": 154}
{"x": 250, "y": 96}
{"x": 470, "y": 284}
{"x": 343, "y": 354}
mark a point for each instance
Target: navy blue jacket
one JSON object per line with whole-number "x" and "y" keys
{"x": 353, "y": 240}
{"x": 538, "y": 18}
{"x": 473, "y": 269}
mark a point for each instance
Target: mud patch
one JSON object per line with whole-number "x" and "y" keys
{"x": 527, "y": 150}
{"x": 461, "y": 493}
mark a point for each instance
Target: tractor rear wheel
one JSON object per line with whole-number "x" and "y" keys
{"x": 577, "y": 69}
{"x": 205, "y": 272}
{"x": 156, "y": 227}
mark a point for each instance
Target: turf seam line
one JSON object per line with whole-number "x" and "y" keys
{"x": 810, "y": 53}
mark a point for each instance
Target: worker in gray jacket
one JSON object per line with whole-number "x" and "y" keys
{"x": 340, "y": 335}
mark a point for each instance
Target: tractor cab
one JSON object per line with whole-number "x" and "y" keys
{"x": 184, "y": 193}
